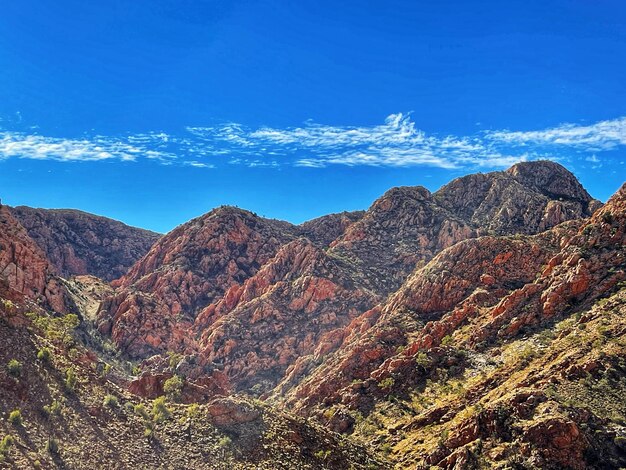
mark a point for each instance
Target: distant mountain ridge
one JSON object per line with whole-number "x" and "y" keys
{"x": 78, "y": 243}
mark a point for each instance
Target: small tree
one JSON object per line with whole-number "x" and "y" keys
{"x": 15, "y": 418}
{"x": 70, "y": 379}
{"x": 15, "y": 367}
{"x": 52, "y": 446}
{"x": 173, "y": 387}
{"x": 160, "y": 411}
{"x": 5, "y": 445}
{"x": 140, "y": 410}
{"x": 44, "y": 355}
{"x": 110, "y": 401}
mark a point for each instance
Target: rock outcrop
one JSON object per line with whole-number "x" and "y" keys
{"x": 24, "y": 266}
{"x": 527, "y": 198}
{"x": 296, "y": 305}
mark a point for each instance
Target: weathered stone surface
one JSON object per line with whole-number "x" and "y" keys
{"x": 76, "y": 242}
{"x": 24, "y": 266}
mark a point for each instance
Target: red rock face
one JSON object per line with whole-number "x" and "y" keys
{"x": 244, "y": 293}
{"x": 158, "y": 300}
{"x": 494, "y": 286}
{"x": 77, "y": 243}
{"x": 24, "y": 266}
{"x": 295, "y": 306}
{"x": 432, "y": 304}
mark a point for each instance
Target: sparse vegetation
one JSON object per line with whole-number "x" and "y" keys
{"x": 52, "y": 446}
{"x": 5, "y": 445}
{"x": 224, "y": 441}
{"x": 53, "y": 409}
{"x": 140, "y": 410}
{"x": 110, "y": 401}
{"x": 174, "y": 359}
{"x": 56, "y": 328}
{"x": 386, "y": 383}
{"x": 160, "y": 411}
{"x": 15, "y": 418}
{"x": 14, "y": 367}
{"x": 44, "y": 355}
{"x": 173, "y": 387}
{"x": 322, "y": 454}
{"x": 70, "y": 380}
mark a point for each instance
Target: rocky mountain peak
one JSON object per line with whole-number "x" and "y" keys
{"x": 551, "y": 179}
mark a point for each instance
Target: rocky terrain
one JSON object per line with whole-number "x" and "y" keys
{"x": 479, "y": 326}
{"x": 76, "y": 242}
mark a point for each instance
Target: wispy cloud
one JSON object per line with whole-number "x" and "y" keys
{"x": 98, "y": 148}
{"x": 603, "y": 135}
{"x": 397, "y": 142}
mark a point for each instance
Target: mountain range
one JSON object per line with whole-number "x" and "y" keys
{"x": 478, "y": 326}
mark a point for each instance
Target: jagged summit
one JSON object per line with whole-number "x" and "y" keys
{"x": 551, "y": 178}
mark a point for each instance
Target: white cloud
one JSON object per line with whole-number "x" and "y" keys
{"x": 603, "y": 135}
{"x": 397, "y": 142}
{"x": 37, "y": 147}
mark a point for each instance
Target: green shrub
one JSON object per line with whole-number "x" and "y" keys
{"x": 53, "y": 409}
{"x": 446, "y": 341}
{"x": 140, "y": 410}
{"x": 193, "y": 411}
{"x": 15, "y": 367}
{"x": 173, "y": 387}
{"x": 224, "y": 441}
{"x": 175, "y": 359}
{"x": 386, "y": 383}
{"x": 322, "y": 454}
{"x": 105, "y": 370}
{"x": 160, "y": 411}
{"x": 15, "y": 418}
{"x": 5, "y": 444}
{"x": 70, "y": 379}
{"x": 422, "y": 359}
{"x": 52, "y": 446}
{"x": 44, "y": 355}
{"x": 110, "y": 401}
{"x": 56, "y": 328}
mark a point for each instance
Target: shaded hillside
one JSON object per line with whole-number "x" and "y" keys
{"x": 76, "y": 242}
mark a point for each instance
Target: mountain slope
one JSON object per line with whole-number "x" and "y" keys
{"x": 160, "y": 297}
{"x": 25, "y": 268}
{"x": 76, "y": 242}
{"x": 510, "y": 349}
{"x": 92, "y": 421}
{"x": 527, "y": 198}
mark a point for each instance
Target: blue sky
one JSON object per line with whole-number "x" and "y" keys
{"x": 153, "y": 112}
